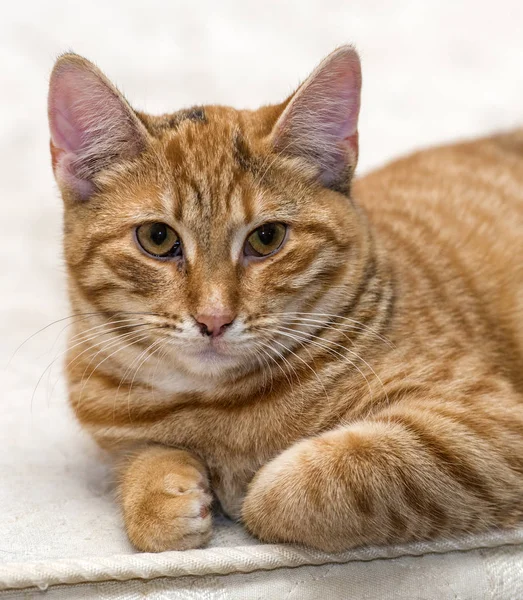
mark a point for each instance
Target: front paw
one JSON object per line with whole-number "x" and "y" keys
{"x": 277, "y": 507}
{"x": 166, "y": 501}
{"x": 298, "y": 497}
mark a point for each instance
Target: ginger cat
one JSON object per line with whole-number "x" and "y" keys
{"x": 339, "y": 363}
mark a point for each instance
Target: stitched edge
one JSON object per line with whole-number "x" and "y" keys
{"x": 222, "y": 561}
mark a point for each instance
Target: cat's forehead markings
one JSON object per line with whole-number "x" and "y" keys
{"x": 142, "y": 215}
{"x": 169, "y": 208}
{"x": 238, "y": 206}
{"x": 242, "y": 153}
{"x": 196, "y": 114}
{"x": 166, "y": 199}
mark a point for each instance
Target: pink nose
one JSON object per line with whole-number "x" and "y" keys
{"x": 214, "y": 324}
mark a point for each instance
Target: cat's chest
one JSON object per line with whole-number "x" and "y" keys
{"x": 233, "y": 440}
{"x": 232, "y": 444}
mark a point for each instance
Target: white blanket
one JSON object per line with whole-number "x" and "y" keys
{"x": 433, "y": 71}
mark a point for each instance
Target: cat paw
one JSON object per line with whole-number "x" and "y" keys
{"x": 272, "y": 509}
{"x": 166, "y": 505}
{"x": 289, "y": 500}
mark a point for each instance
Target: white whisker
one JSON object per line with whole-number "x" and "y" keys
{"x": 267, "y": 364}
{"x": 156, "y": 345}
{"x": 346, "y": 350}
{"x": 302, "y": 340}
{"x": 110, "y": 345}
{"x": 289, "y": 381}
{"x": 306, "y": 364}
{"x": 364, "y": 327}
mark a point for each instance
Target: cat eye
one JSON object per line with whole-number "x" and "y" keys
{"x": 265, "y": 240}
{"x": 159, "y": 240}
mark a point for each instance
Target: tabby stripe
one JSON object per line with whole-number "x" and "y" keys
{"x": 495, "y": 330}
{"x": 468, "y": 420}
{"x": 418, "y": 500}
{"x": 456, "y": 466}
{"x": 425, "y": 270}
{"x": 363, "y": 499}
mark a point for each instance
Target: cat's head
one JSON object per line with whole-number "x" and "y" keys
{"x": 215, "y": 230}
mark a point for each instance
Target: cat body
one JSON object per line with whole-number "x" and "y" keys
{"x": 361, "y": 383}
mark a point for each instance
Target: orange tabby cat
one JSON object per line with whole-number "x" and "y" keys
{"x": 339, "y": 365}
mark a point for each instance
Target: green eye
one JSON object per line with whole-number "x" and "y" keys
{"x": 159, "y": 240}
{"x": 265, "y": 240}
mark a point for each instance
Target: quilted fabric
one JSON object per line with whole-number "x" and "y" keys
{"x": 433, "y": 71}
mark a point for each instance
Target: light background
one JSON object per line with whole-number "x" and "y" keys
{"x": 434, "y": 70}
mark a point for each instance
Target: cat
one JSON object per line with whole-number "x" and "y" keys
{"x": 337, "y": 361}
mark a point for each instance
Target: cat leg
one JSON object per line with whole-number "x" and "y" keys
{"x": 403, "y": 475}
{"x": 165, "y": 500}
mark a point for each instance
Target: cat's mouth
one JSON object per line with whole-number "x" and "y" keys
{"x": 216, "y": 356}
{"x": 215, "y": 350}
{"x": 212, "y": 352}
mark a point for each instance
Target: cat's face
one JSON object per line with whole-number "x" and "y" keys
{"x": 208, "y": 238}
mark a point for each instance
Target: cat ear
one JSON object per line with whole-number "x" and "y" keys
{"x": 320, "y": 123}
{"x": 92, "y": 125}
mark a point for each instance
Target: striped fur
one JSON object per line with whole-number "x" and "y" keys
{"x": 370, "y": 390}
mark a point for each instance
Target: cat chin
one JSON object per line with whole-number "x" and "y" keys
{"x": 194, "y": 375}
{"x": 210, "y": 363}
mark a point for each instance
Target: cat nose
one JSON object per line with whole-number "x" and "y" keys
{"x": 214, "y": 324}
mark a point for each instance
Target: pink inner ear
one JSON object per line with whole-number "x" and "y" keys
{"x": 70, "y": 99}
{"x": 91, "y": 124}
{"x": 329, "y": 103}
{"x": 73, "y": 97}
{"x": 344, "y": 83}
{"x": 321, "y": 121}
{"x": 68, "y": 110}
